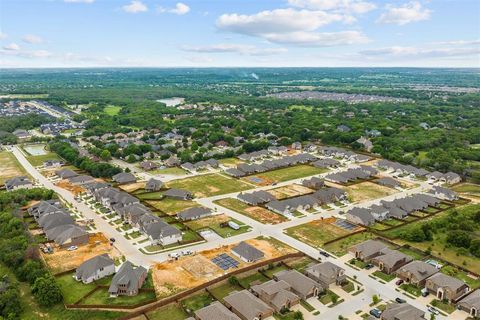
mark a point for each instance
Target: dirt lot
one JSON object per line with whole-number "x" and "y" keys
{"x": 62, "y": 260}
{"x": 258, "y": 213}
{"x": 9, "y": 166}
{"x": 367, "y": 191}
{"x": 292, "y": 190}
{"x": 132, "y": 187}
{"x": 70, "y": 187}
{"x": 174, "y": 276}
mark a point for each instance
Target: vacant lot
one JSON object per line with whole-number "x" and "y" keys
{"x": 39, "y": 160}
{"x": 317, "y": 232}
{"x": 112, "y": 110}
{"x": 367, "y": 191}
{"x": 62, "y": 259}
{"x": 467, "y": 188}
{"x": 289, "y": 191}
{"x": 132, "y": 187}
{"x": 257, "y": 213}
{"x": 174, "y": 171}
{"x": 230, "y": 162}
{"x": 340, "y": 247}
{"x": 171, "y": 206}
{"x": 9, "y": 166}
{"x": 286, "y": 174}
{"x": 209, "y": 185}
{"x": 214, "y": 222}
{"x": 169, "y": 312}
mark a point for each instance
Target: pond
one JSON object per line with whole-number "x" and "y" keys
{"x": 35, "y": 149}
{"x": 172, "y": 102}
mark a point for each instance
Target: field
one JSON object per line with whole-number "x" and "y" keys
{"x": 101, "y": 296}
{"x": 289, "y": 191}
{"x": 257, "y": 213}
{"x": 187, "y": 272}
{"x": 286, "y": 174}
{"x": 39, "y": 160}
{"x": 132, "y": 187}
{"x": 467, "y": 188}
{"x": 170, "y": 312}
{"x": 9, "y": 166}
{"x": 174, "y": 171}
{"x": 72, "y": 289}
{"x": 112, "y": 110}
{"x": 214, "y": 222}
{"x": 209, "y": 185}
{"x": 62, "y": 260}
{"x": 367, "y": 191}
{"x": 171, "y": 206}
{"x": 230, "y": 162}
{"x": 340, "y": 247}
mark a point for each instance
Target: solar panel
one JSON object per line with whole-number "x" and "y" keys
{"x": 225, "y": 262}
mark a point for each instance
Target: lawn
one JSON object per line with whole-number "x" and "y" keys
{"x": 196, "y": 302}
{"x": 412, "y": 289}
{"x": 172, "y": 206}
{"x": 112, "y": 110}
{"x": 340, "y": 247}
{"x": 72, "y": 289}
{"x": 300, "y": 264}
{"x": 257, "y": 213}
{"x": 230, "y": 162}
{"x": 447, "y": 307}
{"x": 214, "y": 223}
{"x": 367, "y": 191}
{"x": 286, "y": 174}
{"x": 102, "y": 296}
{"x": 248, "y": 280}
{"x": 39, "y": 160}
{"x": 316, "y": 233}
{"x": 9, "y": 167}
{"x": 169, "y": 312}
{"x": 357, "y": 263}
{"x": 468, "y": 188}
{"x": 473, "y": 282}
{"x": 270, "y": 272}
{"x": 174, "y": 171}
{"x": 223, "y": 290}
{"x": 385, "y": 277}
{"x": 208, "y": 185}
{"x": 412, "y": 253}
{"x": 348, "y": 286}
{"x": 327, "y": 297}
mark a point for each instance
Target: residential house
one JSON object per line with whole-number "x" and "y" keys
{"x": 296, "y": 146}
{"x": 366, "y": 143}
{"x": 162, "y": 233}
{"x": 67, "y": 235}
{"x": 148, "y": 165}
{"x": 313, "y": 183}
{"x": 444, "y": 193}
{"x": 66, "y": 173}
{"x": 416, "y": 272}
{"x": 326, "y": 273}
{"x": 128, "y": 280}
{"x": 451, "y": 178}
{"x": 343, "y": 128}
{"x": 471, "y": 304}
{"x": 21, "y": 134}
{"x": 360, "y": 216}
{"x": 153, "y": 185}
{"x": 178, "y": 194}
{"x": 445, "y": 287}
{"x": 194, "y": 213}
{"x": 95, "y": 268}
{"x": 277, "y": 294}
{"x": 402, "y": 311}
{"x": 216, "y": 310}
{"x": 54, "y": 163}
{"x": 247, "y": 252}
{"x": 248, "y": 307}
{"x": 81, "y": 180}
{"x": 389, "y": 182}
{"x": 367, "y": 250}
{"x": 301, "y": 285}
{"x": 379, "y": 212}
{"x": 18, "y": 183}
{"x": 124, "y": 177}
{"x": 390, "y": 260}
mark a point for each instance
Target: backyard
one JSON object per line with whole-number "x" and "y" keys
{"x": 169, "y": 312}
{"x": 208, "y": 185}
{"x": 172, "y": 206}
{"x": 257, "y": 213}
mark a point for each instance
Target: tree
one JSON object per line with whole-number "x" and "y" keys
{"x": 233, "y": 281}
{"x": 334, "y": 299}
{"x": 46, "y": 291}
{"x": 475, "y": 247}
{"x": 105, "y": 155}
{"x": 375, "y": 299}
{"x": 10, "y": 305}
{"x": 297, "y": 315}
{"x": 459, "y": 238}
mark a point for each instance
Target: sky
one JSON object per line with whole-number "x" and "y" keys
{"x": 239, "y": 33}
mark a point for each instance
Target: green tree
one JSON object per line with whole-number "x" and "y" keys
{"x": 105, "y": 155}
{"x": 46, "y": 291}
{"x": 459, "y": 238}
{"x": 375, "y": 299}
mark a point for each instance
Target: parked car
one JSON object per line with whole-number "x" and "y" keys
{"x": 433, "y": 310}
{"x": 112, "y": 239}
{"x": 174, "y": 255}
{"x": 400, "y": 300}
{"x": 376, "y": 313}
{"x": 324, "y": 253}
{"x": 187, "y": 252}
{"x": 399, "y": 282}
{"x": 72, "y": 248}
{"x": 425, "y": 292}
{"x": 369, "y": 266}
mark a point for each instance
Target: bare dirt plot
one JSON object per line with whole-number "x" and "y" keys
{"x": 257, "y": 213}
{"x": 187, "y": 272}
{"x": 63, "y": 260}
{"x": 289, "y": 191}
{"x": 70, "y": 187}
{"x": 367, "y": 191}
{"x": 9, "y": 167}
{"x": 132, "y": 187}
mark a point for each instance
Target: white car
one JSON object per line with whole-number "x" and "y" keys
{"x": 174, "y": 255}
{"x": 187, "y": 252}
{"x": 433, "y": 310}
{"x": 72, "y": 248}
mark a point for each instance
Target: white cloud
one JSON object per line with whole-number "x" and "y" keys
{"x": 33, "y": 39}
{"x": 135, "y": 6}
{"x": 79, "y": 1}
{"x": 409, "y": 12}
{"x": 235, "y": 48}
{"x": 353, "y": 6}
{"x": 11, "y": 47}
{"x": 3, "y": 35}
{"x": 180, "y": 9}
{"x": 200, "y": 59}
{"x": 319, "y": 39}
{"x": 17, "y": 52}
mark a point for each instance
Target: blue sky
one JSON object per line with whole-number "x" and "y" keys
{"x": 215, "y": 33}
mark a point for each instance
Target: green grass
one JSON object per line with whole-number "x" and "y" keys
{"x": 447, "y": 307}
{"x": 358, "y": 263}
{"x": 326, "y": 297}
{"x": 39, "y": 160}
{"x": 157, "y": 195}
{"x": 10, "y": 167}
{"x": 112, "y": 110}
{"x": 213, "y": 224}
{"x": 265, "y": 216}
{"x": 174, "y": 171}
{"x": 72, "y": 289}
{"x": 340, "y": 248}
{"x": 385, "y": 277}
{"x": 209, "y": 185}
{"x": 248, "y": 280}
{"x": 307, "y": 305}
{"x": 169, "y": 312}
{"x": 102, "y": 296}
{"x": 300, "y": 264}
{"x": 287, "y": 316}
{"x": 412, "y": 253}
{"x": 289, "y": 173}
{"x": 462, "y": 275}
{"x": 468, "y": 188}
{"x": 412, "y": 289}
{"x": 223, "y": 290}
{"x": 300, "y": 107}
{"x": 348, "y": 287}
{"x": 172, "y": 206}
{"x": 197, "y": 302}
{"x": 270, "y": 272}
{"x": 316, "y": 233}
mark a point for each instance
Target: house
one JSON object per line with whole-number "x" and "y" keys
{"x": 248, "y": 307}
{"x": 49, "y": 221}
{"x": 390, "y": 260}
{"x": 451, "y": 178}
{"x": 388, "y": 182}
{"x": 153, "y": 185}
{"x": 148, "y": 165}
{"x": 128, "y": 280}
{"x": 471, "y": 304}
{"x": 366, "y": 143}
{"x": 343, "y": 128}
{"x": 301, "y": 285}
{"x": 95, "y": 268}
{"x": 194, "y": 213}
{"x": 67, "y": 235}
{"x": 216, "y": 310}
{"x": 379, "y": 212}
{"x": 435, "y": 175}
{"x": 445, "y": 287}
{"x": 313, "y": 183}
{"x": 416, "y": 272}
{"x": 256, "y": 198}
{"x": 54, "y": 163}
{"x": 80, "y": 180}
{"x": 444, "y": 193}
{"x": 402, "y": 311}
{"x": 124, "y": 177}
{"x": 326, "y": 273}
{"x": 66, "y": 173}
{"x": 18, "y": 183}
{"x": 247, "y": 252}
{"x": 367, "y": 250}
{"x": 360, "y": 216}
{"x": 296, "y": 146}
{"x": 178, "y": 194}
{"x": 277, "y": 294}
{"x": 162, "y": 233}
{"x": 21, "y": 134}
